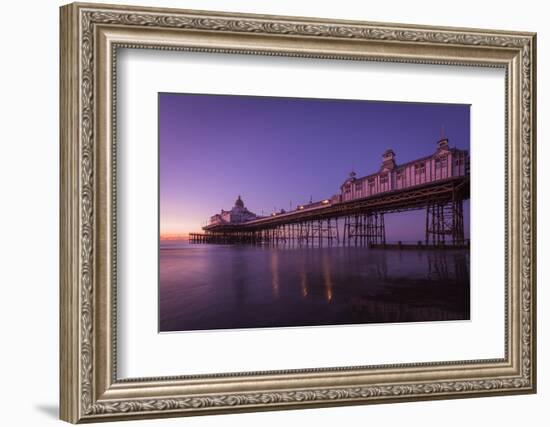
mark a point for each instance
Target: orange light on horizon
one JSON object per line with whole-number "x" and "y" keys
{"x": 174, "y": 236}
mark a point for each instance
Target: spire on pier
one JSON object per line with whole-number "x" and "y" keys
{"x": 443, "y": 143}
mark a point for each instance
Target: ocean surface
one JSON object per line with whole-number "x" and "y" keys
{"x": 206, "y": 286}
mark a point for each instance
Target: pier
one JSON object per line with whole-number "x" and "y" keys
{"x": 438, "y": 184}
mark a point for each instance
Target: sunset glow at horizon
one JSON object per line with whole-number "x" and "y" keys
{"x": 278, "y": 153}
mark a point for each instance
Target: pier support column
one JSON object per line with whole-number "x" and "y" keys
{"x": 376, "y": 229}
{"x": 445, "y": 223}
{"x": 364, "y": 229}
{"x": 305, "y": 232}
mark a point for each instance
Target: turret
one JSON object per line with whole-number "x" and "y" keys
{"x": 388, "y": 160}
{"x": 443, "y": 144}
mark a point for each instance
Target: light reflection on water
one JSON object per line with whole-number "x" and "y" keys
{"x": 232, "y": 286}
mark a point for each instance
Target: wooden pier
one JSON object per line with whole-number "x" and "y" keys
{"x": 438, "y": 183}
{"x": 224, "y": 238}
{"x": 358, "y": 222}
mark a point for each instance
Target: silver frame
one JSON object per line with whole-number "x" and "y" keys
{"x": 90, "y": 37}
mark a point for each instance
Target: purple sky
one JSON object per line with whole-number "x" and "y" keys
{"x": 278, "y": 151}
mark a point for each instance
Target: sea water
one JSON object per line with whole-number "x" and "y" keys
{"x": 208, "y": 286}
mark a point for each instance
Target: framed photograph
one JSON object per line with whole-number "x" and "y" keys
{"x": 265, "y": 212}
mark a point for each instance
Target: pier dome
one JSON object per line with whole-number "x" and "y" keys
{"x": 238, "y": 214}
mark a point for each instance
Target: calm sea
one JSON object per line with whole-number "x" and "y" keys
{"x": 205, "y": 286}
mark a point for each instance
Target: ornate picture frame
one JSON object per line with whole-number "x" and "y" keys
{"x": 90, "y": 37}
